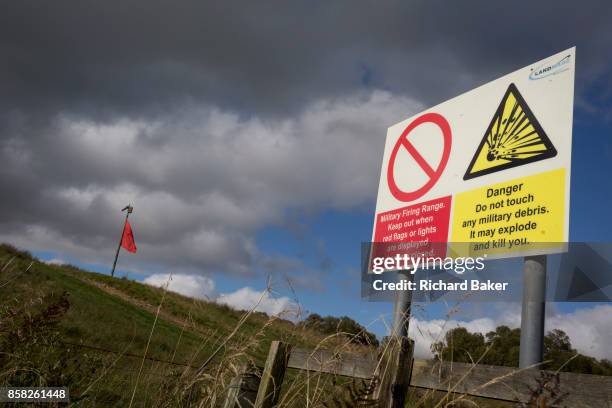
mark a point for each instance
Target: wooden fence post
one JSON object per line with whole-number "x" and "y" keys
{"x": 243, "y": 388}
{"x": 273, "y": 374}
{"x": 394, "y": 371}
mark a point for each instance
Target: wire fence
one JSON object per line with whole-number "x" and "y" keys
{"x": 127, "y": 354}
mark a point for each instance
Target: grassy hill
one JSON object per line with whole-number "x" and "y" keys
{"x": 60, "y": 325}
{"x": 110, "y": 341}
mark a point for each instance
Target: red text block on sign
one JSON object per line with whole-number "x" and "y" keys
{"x": 425, "y": 225}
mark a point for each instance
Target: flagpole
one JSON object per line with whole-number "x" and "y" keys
{"x": 129, "y": 209}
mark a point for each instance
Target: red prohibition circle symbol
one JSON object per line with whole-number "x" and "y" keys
{"x": 432, "y": 174}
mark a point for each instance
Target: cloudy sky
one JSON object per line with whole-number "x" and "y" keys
{"x": 249, "y": 135}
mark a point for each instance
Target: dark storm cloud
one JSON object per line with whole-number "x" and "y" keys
{"x": 219, "y": 118}
{"x": 124, "y": 57}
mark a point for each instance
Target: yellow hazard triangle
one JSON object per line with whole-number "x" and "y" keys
{"x": 514, "y": 137}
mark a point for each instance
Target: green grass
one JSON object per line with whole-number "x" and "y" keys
{"x": 96, "y": 343}
{"x": 100, "y": 320}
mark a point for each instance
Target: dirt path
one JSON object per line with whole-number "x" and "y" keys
{"x": 169, "y": 317}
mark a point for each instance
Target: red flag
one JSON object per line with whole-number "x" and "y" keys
{"x": 127, "y": 240}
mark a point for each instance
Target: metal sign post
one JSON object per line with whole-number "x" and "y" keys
{"x": 533, "y": 311}
{"x": 401, "y": 310}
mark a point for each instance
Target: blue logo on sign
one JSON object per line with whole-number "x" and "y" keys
{"x": 546, "y": 70}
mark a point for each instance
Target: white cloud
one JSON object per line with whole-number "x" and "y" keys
{"x": 589, "y": 329}
{"x": 55, "y": 261}
{"x": 246, "y": 298}
{"x": 202, "y": 180}
{"x": 199, "y": 287}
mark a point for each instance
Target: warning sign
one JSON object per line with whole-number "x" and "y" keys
{"x": 432, "y": 174}
{"x": 510, "y": 216}
{"x": 514, "y": 137}
{"x": 489, "y": 169}
{"x": 425, "y": 223}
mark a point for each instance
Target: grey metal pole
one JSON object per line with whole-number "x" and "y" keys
{"x": 129, "y": 209}
{"x": 401, "y": 311}
{"x": 534, "y": 307}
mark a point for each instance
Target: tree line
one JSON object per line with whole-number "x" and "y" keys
{"x": 501, "y": 347}
{"x": 344, "y": 324}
